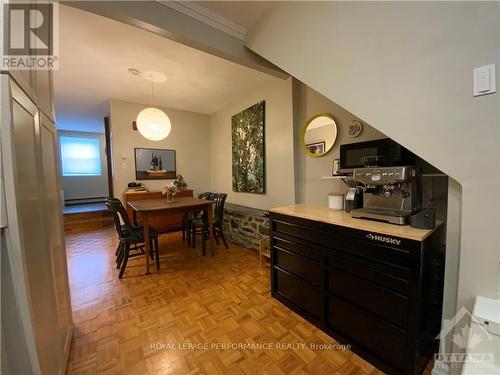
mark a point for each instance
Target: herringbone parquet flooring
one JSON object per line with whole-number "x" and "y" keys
{"x": 121, "y": 324}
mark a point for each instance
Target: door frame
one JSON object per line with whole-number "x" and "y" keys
{"x": 109, "y": 161}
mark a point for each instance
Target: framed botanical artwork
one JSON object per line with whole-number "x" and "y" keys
{"x": 317, "y": 148}
{"x": 154, "y": 164}
{"x": 248, "y": 150}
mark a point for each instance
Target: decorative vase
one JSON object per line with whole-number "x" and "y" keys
{"x": 170, "y": 198}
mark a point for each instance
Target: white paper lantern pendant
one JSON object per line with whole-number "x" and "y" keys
{"x": 153, "y": 123}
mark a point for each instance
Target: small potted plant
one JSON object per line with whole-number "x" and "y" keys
{"x": 169, "y": 191}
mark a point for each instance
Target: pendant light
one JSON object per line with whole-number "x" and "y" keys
{"x": 153, "y": 123}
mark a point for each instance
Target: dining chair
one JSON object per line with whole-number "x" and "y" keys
{"x": 112, "y": 199}
{"x": 133, "y": 225}
{"x": 189, "y": 217}
{"x": 199, "y": 216}
{"x": 131, "y": 238}
{"x": 199, "y": 226}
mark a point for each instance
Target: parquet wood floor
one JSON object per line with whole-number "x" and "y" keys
{"x": 192, "y": 299}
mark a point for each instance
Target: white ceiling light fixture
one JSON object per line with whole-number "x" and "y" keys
{"x": 152, "y": 123}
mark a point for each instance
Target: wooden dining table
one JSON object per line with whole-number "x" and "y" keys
{"x": 157, "y": 207}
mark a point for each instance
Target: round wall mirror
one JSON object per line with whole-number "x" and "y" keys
{"x": 319, "y": 135}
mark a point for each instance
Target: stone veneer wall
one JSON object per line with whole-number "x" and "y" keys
{"x": 245, "y": 226}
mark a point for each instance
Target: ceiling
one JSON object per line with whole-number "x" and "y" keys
{"x": 95, "y": 54}
{"x": 242, "y": 13}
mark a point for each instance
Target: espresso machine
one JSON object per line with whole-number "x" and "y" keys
{"x": 390, "y": 194}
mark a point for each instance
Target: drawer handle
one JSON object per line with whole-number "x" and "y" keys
{"x": 283, "y": 240}
{"x": 297, "y": 254}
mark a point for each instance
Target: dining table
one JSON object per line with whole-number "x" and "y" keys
{"x": 148, "y": 208}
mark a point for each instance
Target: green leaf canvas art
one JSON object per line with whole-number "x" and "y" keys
{"x": 248, "y": 159}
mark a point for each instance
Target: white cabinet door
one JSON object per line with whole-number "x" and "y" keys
{"x": 44, "y": 92}
{"x": 14, "y": 343}
{"x": 29, "y": 202}
{"x": 55, "y": 230}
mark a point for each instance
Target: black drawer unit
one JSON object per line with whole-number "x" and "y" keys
{"x": 379, "y": 301}
{"x": 297, "y": 246}
{"x": 304, "y": 295}
{"x": 384, "y": 275}
{"x": 299, "y": 265}
{"x": 366, "y": 289}
{"x": 368, "y": 331}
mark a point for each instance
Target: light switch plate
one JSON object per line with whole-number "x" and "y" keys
{"x": 483, "y": 79}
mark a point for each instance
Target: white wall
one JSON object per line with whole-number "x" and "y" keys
{"x": 406, "y": 69}
{"x": 81, "y": 187}
{"x": 278, "y": 146}
{"x": 190, "y": 138}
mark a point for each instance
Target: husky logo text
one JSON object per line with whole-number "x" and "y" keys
{"x": 376, "y": 237}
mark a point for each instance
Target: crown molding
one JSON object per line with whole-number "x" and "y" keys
{"x": 206, "y": 16}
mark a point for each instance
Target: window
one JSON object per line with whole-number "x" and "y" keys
{"x": 80, "y": 156}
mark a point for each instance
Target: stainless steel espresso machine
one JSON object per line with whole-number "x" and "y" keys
{"x": 390, "y": 194}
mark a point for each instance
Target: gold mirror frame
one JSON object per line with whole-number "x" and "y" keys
{"x": 303, "y": 135}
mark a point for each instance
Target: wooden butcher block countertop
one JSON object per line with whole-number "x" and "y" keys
{"x": 344, "y": 219}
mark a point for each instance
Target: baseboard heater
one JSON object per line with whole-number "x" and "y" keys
{"x": 72, "y": 202}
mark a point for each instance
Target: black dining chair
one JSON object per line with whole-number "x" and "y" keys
{"x": 114, "y": 200}
{"x": 200, "y": 226}
{"x": 188, "y": 219}
{"x": 118, "y": 202}
{"x": 131, "y": 238}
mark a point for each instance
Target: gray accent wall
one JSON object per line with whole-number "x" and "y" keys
{"x": 310, "y": 187}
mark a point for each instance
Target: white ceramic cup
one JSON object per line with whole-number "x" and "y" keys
{"x": 336, "y": 201}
